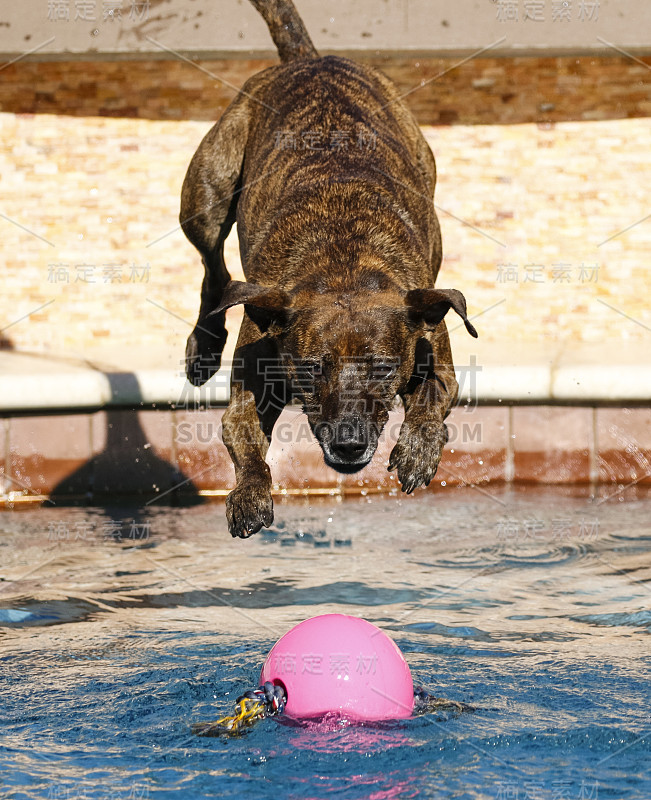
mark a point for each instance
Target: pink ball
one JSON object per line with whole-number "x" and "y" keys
{"x": 336, "y": 663}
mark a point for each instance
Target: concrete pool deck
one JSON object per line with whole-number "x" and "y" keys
{"x": 488, "y": 373}
{"x": 526, "y": 414}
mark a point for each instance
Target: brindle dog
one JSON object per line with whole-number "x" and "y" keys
{"x": 331, "y": 184}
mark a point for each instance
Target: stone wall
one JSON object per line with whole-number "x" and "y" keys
{"x": 484, "y": 91}
{"x": 543, "y": 196}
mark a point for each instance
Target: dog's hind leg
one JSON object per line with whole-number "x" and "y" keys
{"x": 208, "y": 209}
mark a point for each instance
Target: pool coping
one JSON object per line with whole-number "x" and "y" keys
{"x": 489, "y": 373}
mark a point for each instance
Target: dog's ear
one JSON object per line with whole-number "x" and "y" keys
{"x": 431, "y": 306}
{"x": 264, "y": 304}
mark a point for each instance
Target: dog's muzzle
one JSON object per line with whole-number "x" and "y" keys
{"x": 348, "y": 445}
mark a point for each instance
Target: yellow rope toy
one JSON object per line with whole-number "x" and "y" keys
{"x": 269, "y": 701}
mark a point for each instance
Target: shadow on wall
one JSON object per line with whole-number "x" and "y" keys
{"x": 127, "y": 466}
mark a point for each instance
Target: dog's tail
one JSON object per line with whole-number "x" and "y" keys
{"x": 287, "y": 30}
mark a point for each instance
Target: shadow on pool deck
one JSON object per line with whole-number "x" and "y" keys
{"x": 126, "y": 466}
{"x": 5, "y": 342}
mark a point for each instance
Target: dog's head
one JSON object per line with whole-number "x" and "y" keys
{"x": 348, "y": 354}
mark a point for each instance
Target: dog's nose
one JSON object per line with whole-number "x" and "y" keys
{"x": 350, "y": 440}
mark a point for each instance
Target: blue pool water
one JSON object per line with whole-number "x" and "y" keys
{"x": 119, "y": 627}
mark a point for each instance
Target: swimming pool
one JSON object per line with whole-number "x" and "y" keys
{"x": 121, "y": 626}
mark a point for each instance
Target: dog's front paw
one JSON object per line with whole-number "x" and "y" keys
{"x": 417, "y": 453}
{"x": 249, "y": 508}
{"x": 203, "y": 351}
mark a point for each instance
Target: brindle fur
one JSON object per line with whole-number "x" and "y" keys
{"x": 341, "y": 248}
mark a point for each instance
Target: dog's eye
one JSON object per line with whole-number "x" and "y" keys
{"x": 308, "y": 371}
{"x": 383, "y": 370}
